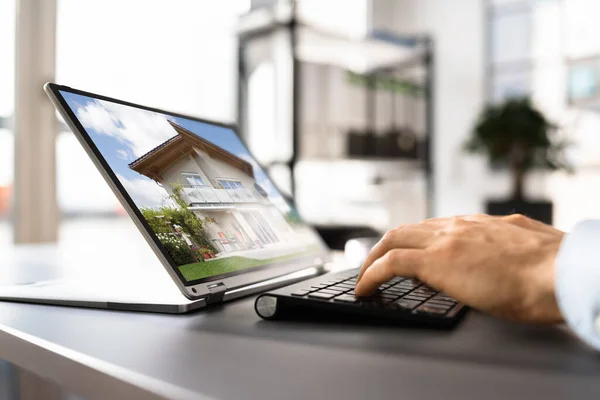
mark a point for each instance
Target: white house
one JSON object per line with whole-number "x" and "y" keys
{"x": 219, "y": 187}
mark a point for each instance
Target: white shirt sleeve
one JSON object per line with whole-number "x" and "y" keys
{"x": 578, "y": 281}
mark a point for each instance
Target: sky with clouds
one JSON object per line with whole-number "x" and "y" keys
{"x": 123, "y": 133}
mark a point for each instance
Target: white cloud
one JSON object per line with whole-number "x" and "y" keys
{"x": 94, "y": 116}
{"x": 139, "y": 130}
{"x": 145, "y": 193}
{"x": 123, "y": 154}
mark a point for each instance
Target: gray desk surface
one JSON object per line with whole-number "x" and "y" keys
{"x": 229, "y": 353}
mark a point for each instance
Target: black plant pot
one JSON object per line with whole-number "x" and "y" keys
{"x": 538, "y": 210}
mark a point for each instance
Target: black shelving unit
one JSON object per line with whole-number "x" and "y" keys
{"x": 381, "y": 63}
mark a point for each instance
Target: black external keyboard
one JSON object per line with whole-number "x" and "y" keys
{"x": 400, "y": 298}
{"x": 408, "y": 294}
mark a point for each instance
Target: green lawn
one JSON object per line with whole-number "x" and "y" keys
{"x": 229, "y": 264}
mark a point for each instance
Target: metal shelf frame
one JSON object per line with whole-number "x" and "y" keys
{"x": 292, "y": 24}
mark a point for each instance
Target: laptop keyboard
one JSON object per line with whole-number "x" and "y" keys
{"x": 400, "y": 293}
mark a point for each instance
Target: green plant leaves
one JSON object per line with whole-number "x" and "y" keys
{"x": 518, "y": 134}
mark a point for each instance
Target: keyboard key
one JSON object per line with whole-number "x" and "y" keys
{"x": 318, "y": 286}
{"x": 442, "y": 303}
{"x": 300, "y": 292}
{"x": 344, "y": 298}
{"x": 421, "y": 295}
{"x": 397, "y": 291}
{"x": 337, "y": 289}
{"x": 339, "y": 279}
{"x": 346, "y": 285}
{"x": 322, "y": 296}
{"x": 328, "y": 291}
{"x": 427, "y": 293}
{"x": 388, "y": 296}
{"x": 400, "y": 288}
{"x": 411, "y": 297}
{"x": 455, "y": 310}
{"x": 444, "y": 298}
{"x": 342, "y": 286}
{"x": 407, "y": 304}
{"x": 425, "y": 309}
{"x": 405, "y": 284}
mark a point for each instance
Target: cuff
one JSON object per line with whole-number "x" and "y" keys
{"x": 578, "y": 281}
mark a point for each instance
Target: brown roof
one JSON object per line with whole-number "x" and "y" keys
{"x": 165, "y": 154}
{"x": 138, "y": 161}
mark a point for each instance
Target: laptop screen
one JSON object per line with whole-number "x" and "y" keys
{"x": 211, "y": 207}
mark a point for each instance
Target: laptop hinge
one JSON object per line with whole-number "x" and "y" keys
{"x": 217, "y": 292}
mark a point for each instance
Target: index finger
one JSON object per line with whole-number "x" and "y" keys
{"x": 397, "y": 262}
{"x": 406, "y": 237}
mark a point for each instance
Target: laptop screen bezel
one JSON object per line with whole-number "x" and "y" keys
{"x": 323, "y": 255}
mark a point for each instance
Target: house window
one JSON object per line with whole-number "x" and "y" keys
{"x": 194, "y": 180}
{"x": 230, "y": 184}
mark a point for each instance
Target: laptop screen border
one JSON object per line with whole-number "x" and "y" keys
{"x": 323, "y": 255}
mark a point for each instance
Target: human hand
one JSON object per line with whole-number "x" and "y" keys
{"x": 500, "y": 265}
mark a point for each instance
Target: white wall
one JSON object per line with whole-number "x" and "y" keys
{"x": 173, "y": 174}
{"x": 462, "y": 181}
{"x": 218, "y": 170}
{"x": 224, "y": 170}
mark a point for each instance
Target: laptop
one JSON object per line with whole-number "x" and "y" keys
{"x": 210, "y": 213}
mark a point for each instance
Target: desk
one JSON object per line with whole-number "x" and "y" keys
{"x": 229, "y": 353}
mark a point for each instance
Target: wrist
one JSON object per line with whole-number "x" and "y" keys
{"x": 541, "y": 304}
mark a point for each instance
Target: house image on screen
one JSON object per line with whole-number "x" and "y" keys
{"x": 219, "y": 187}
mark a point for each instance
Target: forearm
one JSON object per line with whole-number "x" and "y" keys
{"x": 578, "y": 281}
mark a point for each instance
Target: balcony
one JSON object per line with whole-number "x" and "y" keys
{"x": 204, "y": 195}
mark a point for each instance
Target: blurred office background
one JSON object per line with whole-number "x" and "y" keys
{"x": 359, "y": 148}
{"x": 359, "y": 107}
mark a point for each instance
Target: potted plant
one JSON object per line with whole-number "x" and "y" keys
{"x": 205, "y": 253}
{"x": 197, "y": 253}
{"x": 516, "y": 134}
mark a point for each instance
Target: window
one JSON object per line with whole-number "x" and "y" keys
{"x": 194, "y": 180}
{"x": 544, "y": 49}
{"x": 230, "y": 184}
